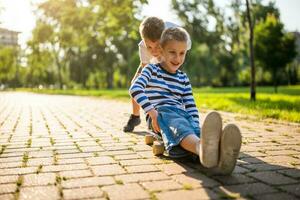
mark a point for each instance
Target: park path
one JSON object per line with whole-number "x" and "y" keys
{"x": 68, "y": 147}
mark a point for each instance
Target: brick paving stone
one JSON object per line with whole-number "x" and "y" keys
{"x": 88, "y": 181}
{"x": 77, "y": 155}
{"x": 294, "y": 173}
{"x": 282, "y": 159}
{"x": 272, "y": 178}
{"x": 102, "y": 160}
{"x": 104, "y": 170}
{"x": 140, "y": 162}
{"x": 40, "y": 154}
{"x": 127, "y": 157}
{"x": 10, "y": 164}
{"x": 282, "y": 152}
{"x": 142, "y": 177}
{"x": 126, "y": 192}
{"x": 66, "y": 167}
{"x": 39, "y": 161}
{"x": 201, "y": 193}
{"x": 142, "y": 147}
{"x": 8, "y": 179}
{"x": 234, "y": 179}
{"x": 161, "y": 185}
{"x": 92, "y": 149}
{"x": 248, "y": 189}
{"x": 7, "y": 196}
{"x": 195, "y": 180}
{"x": 263, "y": 167}
{"x": 145, "y": 154}
{"x": 17, "y": 171}
{"x": 174, "y": 168}
{"x": 39, "y": 192}
{"x": 116, "y": 153}
{"x": 252, "y": 160}
{"x": 70, "y": 161}
{"x": 7, "y": 188}
{"x": 83, "y": 193}
{"x": 75, "y": 173}
{"x": 141, "y": 168}
{"x": 11, "y": 159}
{"x": 276, "y": 196}
{"x": 39, "y": 179}
{"x": 293, "y": 189}
{"x": 240, "y": 170}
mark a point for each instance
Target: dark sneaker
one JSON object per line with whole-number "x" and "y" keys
{"x": 132, "y": 122}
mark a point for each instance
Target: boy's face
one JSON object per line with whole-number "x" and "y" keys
{"x": 153, "y": 47}
{"x": 173, "y": 54}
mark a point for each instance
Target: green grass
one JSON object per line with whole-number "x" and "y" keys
{"x": 285, "y": 105}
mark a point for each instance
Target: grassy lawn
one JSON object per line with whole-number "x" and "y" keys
{"x": 285, "y": 105}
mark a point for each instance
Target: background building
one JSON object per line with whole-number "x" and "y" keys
{"x": 8, "y": 37}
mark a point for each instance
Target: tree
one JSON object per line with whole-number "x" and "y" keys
{"x": 274, "y": 48}
{"x": 204, "y": 62}
{"x": 9, "y": 66}
{"x": 251, "y": 50}
{"x": 89, "y": 41}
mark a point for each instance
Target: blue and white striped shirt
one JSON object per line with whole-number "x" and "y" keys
{"x": 156, "y": 87}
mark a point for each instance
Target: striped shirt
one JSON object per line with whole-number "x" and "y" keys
{"x": 156, "y": 87}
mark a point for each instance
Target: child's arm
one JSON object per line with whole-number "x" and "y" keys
{"x": 137, "y": 89}
{"x": 137, "y": 92}
{"x": 189, "y": 102}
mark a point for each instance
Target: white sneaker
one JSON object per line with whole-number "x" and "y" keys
{"x": 230, "y": 146}
{"x": 210, "y": 140}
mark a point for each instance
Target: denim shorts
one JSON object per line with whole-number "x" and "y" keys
{"x": 175, "y": 124}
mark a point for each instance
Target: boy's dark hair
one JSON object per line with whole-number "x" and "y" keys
{"x": 151, "y": 28}
{"x": 173, "y": 33}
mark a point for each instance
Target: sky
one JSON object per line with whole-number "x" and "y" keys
{"x": 18, "y": 15}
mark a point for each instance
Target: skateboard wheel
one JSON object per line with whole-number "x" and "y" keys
{"x": 149, "y": 139}
{"x": 158, "y": 148}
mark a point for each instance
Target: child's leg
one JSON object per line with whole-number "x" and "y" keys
{"x": 134, "y": 119}
{"x": 191, "y": 143}
{"x": 135, "y": 107}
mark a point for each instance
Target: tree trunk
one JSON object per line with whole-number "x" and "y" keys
{"x": 251, "y": 27}
{"x": 275, "y": 81}
{"x": 109, "y": 78}
{"x": 59, "y": 71}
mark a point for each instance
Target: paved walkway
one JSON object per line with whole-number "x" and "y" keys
{"x": 64, "y": 147}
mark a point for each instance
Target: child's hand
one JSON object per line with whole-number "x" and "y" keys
{"x": 153, "y": 114}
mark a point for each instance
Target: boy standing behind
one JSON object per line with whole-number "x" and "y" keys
{"x": 150, "y": 30}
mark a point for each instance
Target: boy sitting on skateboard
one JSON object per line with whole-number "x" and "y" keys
{"x": 165, "y": 94}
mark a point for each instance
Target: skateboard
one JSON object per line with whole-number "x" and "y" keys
{"x": 156, "y": 141}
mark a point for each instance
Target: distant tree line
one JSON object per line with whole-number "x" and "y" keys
{"x": 93, "y": 44}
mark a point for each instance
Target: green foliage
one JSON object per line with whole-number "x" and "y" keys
{"x": 9, "y": 66}
{"x": 274, "y": 49}
{"x": 86, "y": 41}
{"x": 93, "y": 44}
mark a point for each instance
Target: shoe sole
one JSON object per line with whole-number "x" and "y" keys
{"x": 230, "y": 146}
{"x": 210, "y": 140}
